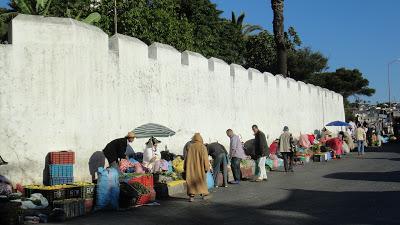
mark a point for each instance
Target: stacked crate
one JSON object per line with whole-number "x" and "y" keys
{"x": 61, "y": 167}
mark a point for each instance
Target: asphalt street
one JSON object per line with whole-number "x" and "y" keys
{"x": 353, "y": 190}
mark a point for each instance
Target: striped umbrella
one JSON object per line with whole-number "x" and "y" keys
{"x": 153, "y": 130}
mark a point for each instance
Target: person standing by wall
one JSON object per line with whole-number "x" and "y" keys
{"x": 285, "y": 147}
{"x": 236, "y": 154}
{"x": 196, "y": 166}
{"x": 360, "y": 137}
{"x": 220, "y": 162}
{"x": 261, "y": 150}
{"x": 118, "y": 149}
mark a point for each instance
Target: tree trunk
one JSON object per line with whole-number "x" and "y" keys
{"x": 277, "y": 8}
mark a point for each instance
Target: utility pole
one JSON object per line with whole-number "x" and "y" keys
{"x": 115, "y": 16}
{"x": 388, "y": 79}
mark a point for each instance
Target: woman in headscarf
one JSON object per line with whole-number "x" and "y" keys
{"x": 196, "y": 166}
{"x": 151, "y": 155}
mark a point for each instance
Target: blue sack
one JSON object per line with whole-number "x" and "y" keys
{"x": 107, "y": 189}
{"x": 210, "y": 180}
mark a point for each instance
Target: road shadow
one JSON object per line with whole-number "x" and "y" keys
{"x": 300, "y": 207}
{"x": 393, "y": 176}
{"x": 342, "y": 207}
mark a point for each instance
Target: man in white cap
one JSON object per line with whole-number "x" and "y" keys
{"x": 119, "y": 149}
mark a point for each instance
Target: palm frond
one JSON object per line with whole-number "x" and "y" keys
{"x": 248, "y": 29}
{"x": 233, "y": 19}
{"x": 24, "y": 6}
{"x": 46, "y": 10}
{"x": 240, "y": 19}
{"x": 92, "y": 18}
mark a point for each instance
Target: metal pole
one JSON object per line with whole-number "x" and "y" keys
{"x": 115, "y": 16}
{"x": 388, "y": 80}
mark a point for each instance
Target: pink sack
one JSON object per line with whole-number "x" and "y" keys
{"x": 124, "y": 164}
{"x": 304, "y": 142}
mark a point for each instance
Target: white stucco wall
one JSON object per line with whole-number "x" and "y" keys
{"x": 67, "y": 85}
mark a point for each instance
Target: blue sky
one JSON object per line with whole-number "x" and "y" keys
{"x": 363, "y": 34}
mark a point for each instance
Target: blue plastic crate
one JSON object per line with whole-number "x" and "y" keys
{"x": 61, "y": 180}
{"x": 61, "y": 170}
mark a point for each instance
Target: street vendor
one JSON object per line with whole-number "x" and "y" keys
{"x": 220, "y": 162}
{"x": 325, "y": 135}
{"x": 119, "y": 149}
{"x": 151, "y": 155}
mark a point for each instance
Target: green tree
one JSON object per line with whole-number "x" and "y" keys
{"x": 231, "y": 45}
{"x": 260, "y": 52}
{"x": 344, "y": 81}
{"x": 304, "y": 62}
{"x": 150, "y": 21}
{"x": 280, "y": 40}
{"x": 207, "y": 26}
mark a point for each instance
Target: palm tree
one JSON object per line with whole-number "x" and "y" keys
{"x": 279, "y": 34}
{"x": 246, "y": 29}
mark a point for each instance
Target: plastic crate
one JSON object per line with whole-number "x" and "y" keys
{"x": 71, "y": 207}
{"x": 50, "y": 195}
{"x": 73, "y": 192}
{"x": 62, "y": 157}
{"x": 61, "y": 180}
{"x": 61, "y": 170}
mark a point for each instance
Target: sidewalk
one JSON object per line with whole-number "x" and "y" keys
{"x": 349, "y": 191}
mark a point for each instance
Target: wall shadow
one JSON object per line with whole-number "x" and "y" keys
{"x": 96, "y": 160}
{"x": 393, "y": 176}
{"x": 46, "y": 170}
{"x": 389, "y": 147}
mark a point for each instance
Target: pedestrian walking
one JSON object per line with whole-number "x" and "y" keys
{"x": 360, "y": 137}
{"x": 286, "y": 149}
{"x": 236, "y": 154}
{"x": 220, "y": 162}
{"x": 196, "y": 166}
{"x": 261, "y": 150}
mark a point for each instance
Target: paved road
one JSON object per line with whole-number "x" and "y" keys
{"x": 349, "y": 191}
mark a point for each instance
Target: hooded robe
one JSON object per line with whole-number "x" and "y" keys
{"x": 196, "y": 166}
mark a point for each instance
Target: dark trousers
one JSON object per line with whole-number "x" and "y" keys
{"x": 220, "y": 164}
{"x": 288, "y": 160}
{"x": 235, "y": 166}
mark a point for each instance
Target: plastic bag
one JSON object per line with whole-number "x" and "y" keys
{"x": 210, "y": 180}
{"x": 274, "y": 162}
{"x": 107, "y": 188}
{"x": 346, "y": 148}
{"x": 36, "y": 197}
{"x": 177, "y": 164}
